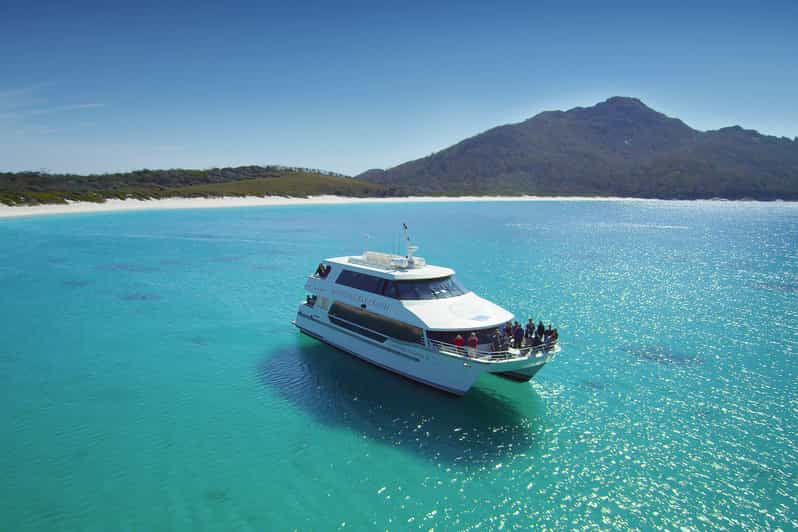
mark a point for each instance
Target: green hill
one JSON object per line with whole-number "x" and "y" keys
{"x": 35, "y": 187}
{"x": 619, "y": 147}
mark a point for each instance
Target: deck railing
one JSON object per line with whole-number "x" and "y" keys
{"x": 489, "y": 354}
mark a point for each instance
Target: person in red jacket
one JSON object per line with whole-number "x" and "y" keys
{"x": 459, "y": 342}
{"x": 473, "y": 341}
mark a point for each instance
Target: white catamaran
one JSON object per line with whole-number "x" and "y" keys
{"x": 404, "y": 315}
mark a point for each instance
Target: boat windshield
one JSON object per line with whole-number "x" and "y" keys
{"x": 429, "y": 288}
{"x": 439, "y": 288}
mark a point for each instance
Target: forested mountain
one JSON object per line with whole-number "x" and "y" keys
{"x": 619, "y": 147}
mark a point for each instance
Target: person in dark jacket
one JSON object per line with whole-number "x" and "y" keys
{"x": 518, "y": 335}
{"x": 496, "y": 340}
{"x": 536, "y": 341}
{"x": 502, "y": 338}
{"x": 541, "y": 329}
{"x": 529, "y": 330}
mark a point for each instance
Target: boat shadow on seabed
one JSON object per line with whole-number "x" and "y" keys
{"x": 340, "y": 390}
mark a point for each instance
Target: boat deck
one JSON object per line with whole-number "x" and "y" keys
{"x": 506, "y": 354}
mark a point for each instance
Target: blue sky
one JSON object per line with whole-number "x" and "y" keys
{"x": 347, "y": 86}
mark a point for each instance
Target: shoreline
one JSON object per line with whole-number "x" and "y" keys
{"x": 119, "y": 205}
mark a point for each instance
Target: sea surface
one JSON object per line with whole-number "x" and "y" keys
{"x": 151, "y": 379}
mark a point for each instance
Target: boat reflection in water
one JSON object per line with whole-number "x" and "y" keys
{"x": 343, "y": 392}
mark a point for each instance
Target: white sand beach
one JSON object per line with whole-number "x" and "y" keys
{"x": 113, "y": 205}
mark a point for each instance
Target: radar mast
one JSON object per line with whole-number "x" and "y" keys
{"x": 410, "y": 247}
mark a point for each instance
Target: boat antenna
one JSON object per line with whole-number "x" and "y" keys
{"x": 410, "y": 247}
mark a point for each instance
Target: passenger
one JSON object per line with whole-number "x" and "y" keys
{"x": 320, "y": 270}
{"x": 529, "y": 331}
{"x": 327, "y": 271}
{"x": 458, "y": 341}
{"x": 541, "y": 329}
{"x": 536, "y": 341}
{"x": 518, "y": 336}
{"x": 508, "y": 330}
{"x": 502, "y": 339}
{"x": 473, "y": 341}
{"x": 495, "y": 340}
{"x": 554, "y": 336}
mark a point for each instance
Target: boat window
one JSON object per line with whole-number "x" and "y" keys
{"x": 389, "y": 289}
{"x": 361, "y": 281}
{"x": 416, "y": 289}
{"x": 430, "y": 288}
{"x": 375, "y": 322}
{"x": 483, "y": 335}
{"x": 356, "y": 329}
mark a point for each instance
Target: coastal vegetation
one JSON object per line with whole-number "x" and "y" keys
{"x": 30, "y": 188}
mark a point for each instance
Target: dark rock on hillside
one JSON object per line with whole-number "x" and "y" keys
{"x": 374, "y": 173}
{"x": 617, "y": 147}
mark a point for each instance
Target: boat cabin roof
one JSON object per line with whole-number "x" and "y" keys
{"x": 391, "y": 266}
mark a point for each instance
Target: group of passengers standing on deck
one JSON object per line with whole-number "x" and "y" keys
{"x": 512, "y": 335}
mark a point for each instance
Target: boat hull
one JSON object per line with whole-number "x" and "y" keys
{"x": 521, "y": 375}
{"x": 451, "y": 373}
{"x": 451, "y": 376}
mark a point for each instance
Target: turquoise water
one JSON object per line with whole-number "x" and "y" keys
{"x": 151, "y": 378}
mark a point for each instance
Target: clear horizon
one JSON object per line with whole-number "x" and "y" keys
{"x": 88, "y": 88}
